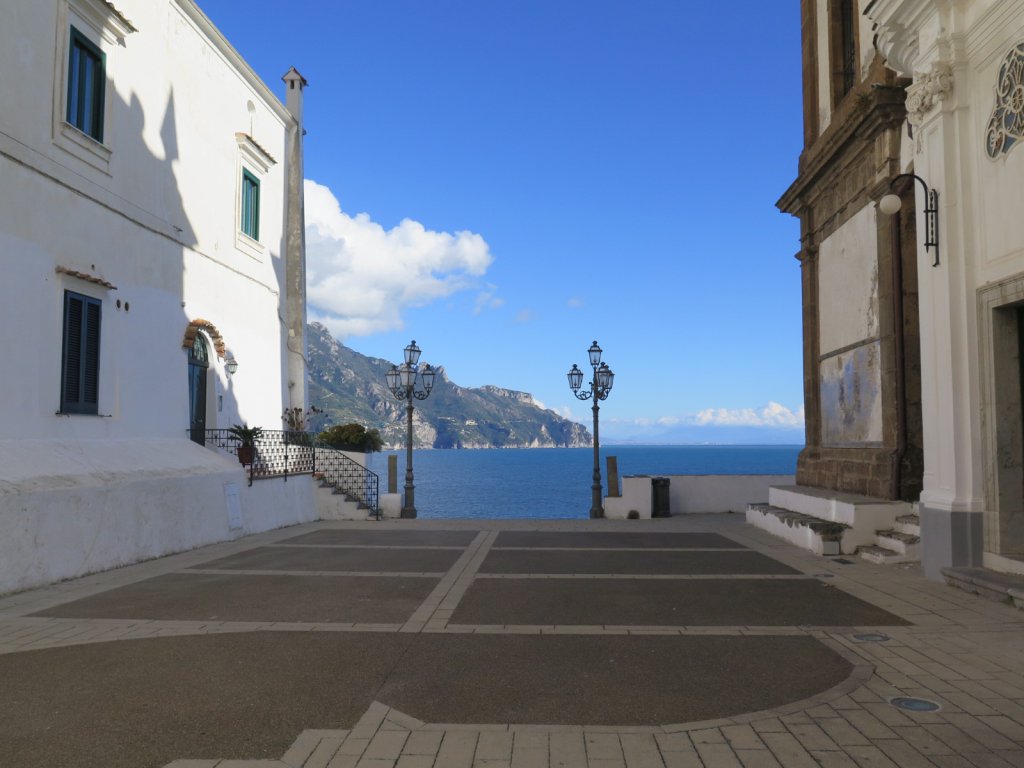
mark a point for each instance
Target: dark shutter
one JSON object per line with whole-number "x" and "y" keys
{"x": 74, "y": 317}
{"x": 91, "y": 357}
{"x": 86, "y": 85}
{"x": 80, "y": 367}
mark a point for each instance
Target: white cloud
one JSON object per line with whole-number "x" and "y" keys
{"x": 772, "y": 415}
{"x": 575, "y": 303}
{"x": 360, "y": 276}
{"x": 525, "y": 316}
{"x": 487, "y": 299}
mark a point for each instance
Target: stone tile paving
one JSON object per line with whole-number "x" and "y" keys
{"x": 957, "y": 650}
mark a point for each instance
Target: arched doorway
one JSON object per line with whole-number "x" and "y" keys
{"x": 198, "y": 365}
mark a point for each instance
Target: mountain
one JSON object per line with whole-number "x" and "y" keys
{"x": 350, "y": 387}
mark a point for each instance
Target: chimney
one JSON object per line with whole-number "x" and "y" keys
{"x": 295, "y": 244}
{"x": 295, "y": 83}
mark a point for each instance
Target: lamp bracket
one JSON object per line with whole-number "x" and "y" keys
{"x": 931, "y": 213}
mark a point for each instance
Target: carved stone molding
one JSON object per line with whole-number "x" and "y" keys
{"x": 1006, "y": 125}
{"x": 897, "y": 26}
{"x": 928, "y": 91}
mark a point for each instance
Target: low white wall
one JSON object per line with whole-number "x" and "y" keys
{"x": 68, "y": 509}
{"x": 693, "y": 494}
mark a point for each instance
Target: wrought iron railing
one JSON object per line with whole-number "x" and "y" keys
{"x": 276, "y": 453}
{"x": 280, "y": 453}
{"x": 349, "y": 477}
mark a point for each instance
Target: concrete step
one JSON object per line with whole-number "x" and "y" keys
{"x": 1001, "y": 587}
{"x": 822, "y": 537}
{"x": 333, "y": 504}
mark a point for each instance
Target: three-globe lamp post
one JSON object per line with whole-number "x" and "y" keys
{"x": 402, "y": 383}
{"x": 600, "y": 387}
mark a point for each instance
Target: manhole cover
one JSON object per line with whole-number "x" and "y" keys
{"x": 871, "y": 637}
{"x": 914, "y": 705}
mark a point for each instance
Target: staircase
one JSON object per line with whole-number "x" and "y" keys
{"x": 334, "y": 504}
{"x": 829, "y": 522}
{"x": 347, "y": 490}
{"x": 899, "y": 544}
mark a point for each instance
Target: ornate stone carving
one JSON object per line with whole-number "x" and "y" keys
{"x": 1006, "y": 126}
{"x": 928, "y": 90}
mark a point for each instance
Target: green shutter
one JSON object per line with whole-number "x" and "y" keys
{"x": 250, "y": 205}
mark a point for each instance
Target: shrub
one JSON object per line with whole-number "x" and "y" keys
{"x": 352, "y": 437}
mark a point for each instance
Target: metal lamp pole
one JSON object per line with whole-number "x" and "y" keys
{"x": 600, "y": 387}
{"x": 402, "y": 383}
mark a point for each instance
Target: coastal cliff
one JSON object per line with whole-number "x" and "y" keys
{"x": 349, "y": 387}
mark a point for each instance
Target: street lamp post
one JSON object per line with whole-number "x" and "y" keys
{"x": 600, "y": 387}
{"x": 402, "y": 383}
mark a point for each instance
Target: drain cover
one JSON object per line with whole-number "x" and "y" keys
{"x": 914, "y": 705}
{"x": 871, "y": 637}
{"x": 842, "y": 560}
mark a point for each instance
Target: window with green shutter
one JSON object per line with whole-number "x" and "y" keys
{"x": 250, "y": 205}
{"x": 80, "y": 367}
{"x": 86, "y": 83}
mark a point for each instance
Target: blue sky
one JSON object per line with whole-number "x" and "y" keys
{"x": 507, "y": 181}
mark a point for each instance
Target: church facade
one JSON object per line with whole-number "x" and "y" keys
{"x": 914, "y": 306}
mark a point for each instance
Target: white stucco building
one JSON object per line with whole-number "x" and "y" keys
{"x": 965, "y": 139}
{"x": 913, "y": 322}
{"x": 151, "y": 231}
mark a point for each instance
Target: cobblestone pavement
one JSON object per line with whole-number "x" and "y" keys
{"x": 695, "y": 641}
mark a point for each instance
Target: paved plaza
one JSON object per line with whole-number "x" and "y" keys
{"x": 688, "y": 641}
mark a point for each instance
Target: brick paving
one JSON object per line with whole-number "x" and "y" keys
{"x": 949, "y": 647}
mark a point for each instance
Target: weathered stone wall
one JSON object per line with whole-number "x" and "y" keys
{"x": 861, "y": 337}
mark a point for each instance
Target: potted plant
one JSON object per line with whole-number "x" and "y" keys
{"x": 296, "y": 422}
{"x": 246, "y": 437}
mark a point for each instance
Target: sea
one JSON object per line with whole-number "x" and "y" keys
{"x": 556, "y": 482}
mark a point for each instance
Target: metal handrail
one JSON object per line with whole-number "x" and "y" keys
{"x": 280, "y": 453}
{"x": 349, "y": 477}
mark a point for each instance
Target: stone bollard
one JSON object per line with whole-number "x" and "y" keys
{"x": 393, "y": 473}
{"x": 613, "y": 476}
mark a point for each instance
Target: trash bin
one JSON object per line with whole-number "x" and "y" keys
{"x": 659, "y": 497}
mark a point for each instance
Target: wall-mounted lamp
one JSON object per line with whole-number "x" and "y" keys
{"x": 231, "y": 366}
{"x": 891, "y": 203}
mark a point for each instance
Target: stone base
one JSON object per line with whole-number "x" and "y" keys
{"x": 390, "y": 505}
{"x": 864, "y": 471}
{"x": 950, "y": 540}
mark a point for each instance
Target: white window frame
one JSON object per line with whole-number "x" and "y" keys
{"x": 253, "y": 158}
{"x": 105, "y": 28}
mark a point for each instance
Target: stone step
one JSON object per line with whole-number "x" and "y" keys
{"x": 909, "y": 524}
{"x": 333, "y": 503}
{"x": 1001, "y": 587}
{"x": 906, "y": 544}
{"x": 822, "y": 537}
{"x": 883, "y": 555}
{"x": 863, "y": 515}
